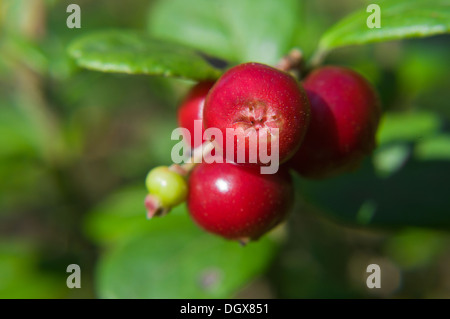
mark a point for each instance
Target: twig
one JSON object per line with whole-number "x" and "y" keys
{"x": 197, "y": 156}
{"x": 291, "y": 60}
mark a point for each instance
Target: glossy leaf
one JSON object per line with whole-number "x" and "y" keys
{"x": 399, "y": 19}
{"x": 131, "y": 52}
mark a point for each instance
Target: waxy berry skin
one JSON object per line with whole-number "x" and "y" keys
{"x": 237, "y": 202}
{"x": 167, "y": 186}
{"x": 253, "y": 95}
{"x": 191, "y": 109}
{"x": 345, "y": 112}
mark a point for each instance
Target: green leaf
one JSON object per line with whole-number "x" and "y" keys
{"x": 413, "y": 196}
{"x": 434, "y": 148}
{"x": 413, "y": 248}
{"x": 236, "y": 30}
{"x": 122, "y": 216}
{"x": 21, "y": 276}
{"x": 422, "y": 70}
{"x": 399, "y": 19}
{"x": 407, "y": 126}
{"x": 119, "y": 216}
{"x": 390, "y": 158}
{"x": 18, "y": 136}
{"x": 130, "y": 52}
{"x": 175, "y": 259}
{"x": 401, "y": 184}
{"x": 168, "y": 257}
{"x": 15, "y": 47}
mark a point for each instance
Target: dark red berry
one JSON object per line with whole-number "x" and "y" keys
{"x": 191, "y": 109}
{"x": 345, "y": 113}
{"x": 253, "y": 95}
{"x": 237, "y": 202}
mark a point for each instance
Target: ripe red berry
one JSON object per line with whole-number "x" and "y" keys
{"x": 238, "y": 202}
{"x": 345, "y": 113}
{"x": 253, "y": 95}
{"x": 191, "y": 109}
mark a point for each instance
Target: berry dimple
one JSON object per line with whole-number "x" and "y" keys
{"x": 258, "y": 115}
{"x": 253, "y": 95}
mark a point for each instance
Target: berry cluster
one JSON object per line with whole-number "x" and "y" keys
{"x": 324, "y": 126}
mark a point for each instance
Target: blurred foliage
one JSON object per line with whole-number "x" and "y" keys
{"x": 172, "y": 258}
{"x": 234, "y": 30}
{"x": 75, "y": 147}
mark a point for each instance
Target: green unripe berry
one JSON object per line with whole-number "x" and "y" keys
{"x": 168, "y": 186}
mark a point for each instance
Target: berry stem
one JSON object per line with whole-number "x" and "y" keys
{"x": 197, "y": 155}
{"x": 292, "y": 62}
{"x": 244, "y": 241}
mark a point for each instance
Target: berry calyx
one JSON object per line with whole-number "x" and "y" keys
{"x": 345, "y": 112}
{"x": 257, "y": 96}
{"x": 238, "y": 202}
{"x": 191, "y": 109}
{"x": 166, "y": 188}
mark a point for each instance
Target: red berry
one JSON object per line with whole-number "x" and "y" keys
{"x": 253, "y": 95}
{"x": 345, "y": 113}
{"x": 237, "y": 202}
{"x": 191, "y": 109}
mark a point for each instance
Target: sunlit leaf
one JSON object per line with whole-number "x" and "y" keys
{"x": 131, "y": 52}
{"x": 399, "y": 19}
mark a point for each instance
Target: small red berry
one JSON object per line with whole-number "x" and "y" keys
{"x": 238, "y": 202}
{"x": 253, "y": 95}
{"x": 345, "y": 112}
{"x": 191, "y": 109}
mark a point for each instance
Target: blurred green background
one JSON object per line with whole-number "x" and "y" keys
{"x": 75, "y": 147}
